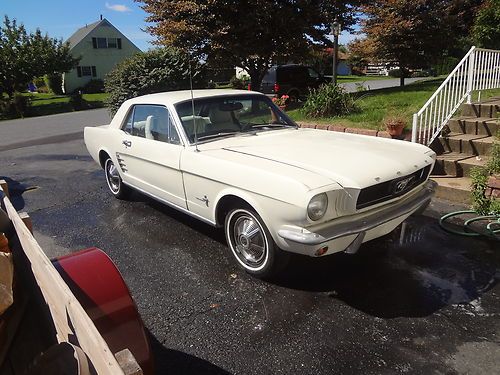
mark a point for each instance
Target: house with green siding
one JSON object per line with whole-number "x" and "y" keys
{"x": 100, "y": 47}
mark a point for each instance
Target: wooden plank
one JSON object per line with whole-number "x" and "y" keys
{"x": 26, "y": 220}
{"x": 128, "y": 363}
{"x": 68, "y": 315}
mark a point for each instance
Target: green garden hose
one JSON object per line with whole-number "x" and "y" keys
{"x": 492, "y": 228}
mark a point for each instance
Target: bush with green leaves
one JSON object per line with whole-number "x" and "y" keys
{"x": 238, "y": 83}
{"x": 94, "y": 86}
{"x": 157, "y": 70}
{"x": 17, "y": 106}
{"x": 54, "y": 83}
{"x": 480, "y": 203}
{"x": 328, "y": 101}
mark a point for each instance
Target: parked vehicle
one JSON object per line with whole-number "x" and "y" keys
{"x": 293, "y": 80}
{"x": 275, "y": 188}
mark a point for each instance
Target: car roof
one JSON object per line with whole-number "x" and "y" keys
{"x": 174, "y": 97}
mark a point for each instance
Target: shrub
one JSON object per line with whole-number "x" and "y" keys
{"x": 54, "y": 83}
{"x": 94, "y": 86}
{"x": 40, "y": 84}
{"x": 237, "y": 83}
{"x": 396, "y": 73}
{"x": 77, "y": 102}
{"x": 328, "y": 101}
{"x": 157, "y": 70}
{"x": 480, "y": 203}
{"x": 17, "y": 106}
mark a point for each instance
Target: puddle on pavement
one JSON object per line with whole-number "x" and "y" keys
{"x": 414, "y": 274}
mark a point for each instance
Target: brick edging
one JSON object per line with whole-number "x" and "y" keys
{"x": 493, "y": 189}
{"x": 343, "y": 129}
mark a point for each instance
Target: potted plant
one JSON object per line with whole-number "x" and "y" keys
{"x": 395, "y": 126}
{"x": 281, "y": 101}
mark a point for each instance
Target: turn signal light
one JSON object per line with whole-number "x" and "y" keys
{"x": 321, "y": 251}
{"x": 276, "y": 87}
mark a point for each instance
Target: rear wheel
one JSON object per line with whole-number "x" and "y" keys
{"x": 252, "y": 245}
{"x": 115, "y": 183}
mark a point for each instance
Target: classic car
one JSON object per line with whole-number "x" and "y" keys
{"x": 232, "y": 159}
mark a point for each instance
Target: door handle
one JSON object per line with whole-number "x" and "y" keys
{"x": 127, "y": 143}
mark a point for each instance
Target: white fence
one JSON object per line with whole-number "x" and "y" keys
{"x": 478, "y": 70}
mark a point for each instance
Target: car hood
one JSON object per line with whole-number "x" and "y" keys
{"x": 352, "y": 161}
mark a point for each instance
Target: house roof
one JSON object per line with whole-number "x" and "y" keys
{"x": 81, "y": 33}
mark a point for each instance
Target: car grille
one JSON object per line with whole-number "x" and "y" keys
{"x": 391, "y": 189}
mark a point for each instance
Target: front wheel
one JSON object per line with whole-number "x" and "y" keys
{"x": 252, "y": 245}
{"x": 115, "y": 183}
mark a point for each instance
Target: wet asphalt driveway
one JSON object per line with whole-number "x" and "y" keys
{"x": 427, "y": 305}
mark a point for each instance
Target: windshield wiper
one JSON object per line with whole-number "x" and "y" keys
{"x": 222, "y": 134}
{"x": 268, "y": 125}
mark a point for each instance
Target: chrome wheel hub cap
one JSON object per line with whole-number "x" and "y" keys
{"x": 249, "y": 241}
{"x": 113, "y": 177}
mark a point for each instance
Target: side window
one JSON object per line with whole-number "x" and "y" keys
{"x": 127, "y": 126}
{"x": 153, "y": 122}
{"x": 313, "y": 73}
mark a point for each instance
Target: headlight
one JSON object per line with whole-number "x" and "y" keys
{"x": 316, "y": 208}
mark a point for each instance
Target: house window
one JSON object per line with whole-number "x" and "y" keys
{"x": 102, "y": 43}
{"x": 107, "y": 43}
{"x": 112, "y": 43}
{"x": 86, "y": 71}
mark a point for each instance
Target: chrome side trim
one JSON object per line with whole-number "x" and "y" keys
{"x": 170, "y": 204}
{"x": 356, "y": 225}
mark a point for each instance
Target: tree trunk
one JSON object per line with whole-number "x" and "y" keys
{"x": 255, "y": 80}
{"x": 402, "y": 76}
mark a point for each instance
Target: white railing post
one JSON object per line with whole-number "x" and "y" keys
{"x": 414, "y": 128}
{"x": 470, "y": 76}
{"x": 478, "y": 70}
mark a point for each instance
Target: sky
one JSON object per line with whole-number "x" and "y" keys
{"x": 61, "y": 18}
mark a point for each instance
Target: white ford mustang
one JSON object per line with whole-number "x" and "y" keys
{"x": 275, "y": 188}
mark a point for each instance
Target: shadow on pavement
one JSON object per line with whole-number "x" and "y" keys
{"x": 173, "y": 362}
{"x": 428, "y": 270}
{"x": 16, "y": 190}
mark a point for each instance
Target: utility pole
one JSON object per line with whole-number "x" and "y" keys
{"x": 335, "y": 32}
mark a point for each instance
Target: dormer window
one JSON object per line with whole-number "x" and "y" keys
{"x": 107, "y": 43}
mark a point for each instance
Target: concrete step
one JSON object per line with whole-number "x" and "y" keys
{"x": 474, "y": 125}
{"x": 466, "y": 165}
{"x": 488, "y": 108}
{"x": 447, "y": 164}
{"x": 455, "y": 189}
{"x": 470, "y": 144}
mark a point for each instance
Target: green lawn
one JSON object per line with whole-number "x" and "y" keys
{"x": 40, "y": 99}
{"x": 377, "y": 105}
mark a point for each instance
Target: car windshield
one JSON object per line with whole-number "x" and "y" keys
{"x": 224, "y": 116}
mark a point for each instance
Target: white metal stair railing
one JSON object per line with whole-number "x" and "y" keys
{"x": 478, "y": 70}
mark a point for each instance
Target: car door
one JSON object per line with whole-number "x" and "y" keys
{"x": 150, "y": 153}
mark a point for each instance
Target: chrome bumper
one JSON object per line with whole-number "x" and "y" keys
{"x": 359, "y": 223}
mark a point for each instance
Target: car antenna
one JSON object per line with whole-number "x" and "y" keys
{"x": 192, "y": 104}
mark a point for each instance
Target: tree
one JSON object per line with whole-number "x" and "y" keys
{"x": 160, "y": 69}
{"x": 24, "y": 56}
{"x": 252, "y": 34}
{"x": 486, "y": 29}
{"x": 415, "y": 33}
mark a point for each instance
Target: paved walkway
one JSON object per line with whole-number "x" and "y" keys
{"x": 49, "y": 129}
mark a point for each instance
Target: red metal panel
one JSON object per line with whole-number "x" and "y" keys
{"x": 98, "y": 285}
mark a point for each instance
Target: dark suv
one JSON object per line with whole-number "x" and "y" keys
{"x": 293, "y": 80}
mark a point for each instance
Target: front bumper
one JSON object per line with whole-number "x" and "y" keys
{"x": 355, "y": 229}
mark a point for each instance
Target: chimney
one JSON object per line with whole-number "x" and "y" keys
{"x": 101, "y": 17}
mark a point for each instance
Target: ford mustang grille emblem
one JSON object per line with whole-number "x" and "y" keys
{"x": 403, "y": 184}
